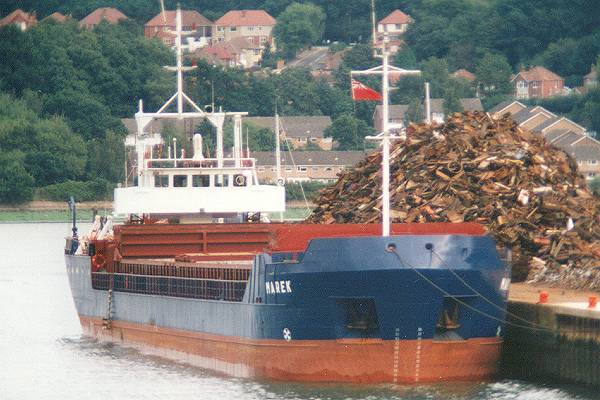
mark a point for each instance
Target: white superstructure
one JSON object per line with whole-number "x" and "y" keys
{"x": 179, "y": 184}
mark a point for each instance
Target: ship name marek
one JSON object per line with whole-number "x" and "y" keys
{"x": 278, "y": 287}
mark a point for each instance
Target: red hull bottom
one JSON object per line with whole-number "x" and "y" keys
{"x": 355, "y": 360}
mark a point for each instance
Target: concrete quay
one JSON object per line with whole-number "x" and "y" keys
{"x": 562, "y": 340}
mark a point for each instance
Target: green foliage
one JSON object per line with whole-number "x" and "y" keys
{"x": 107, "y": 157}
{"x": 293, "y": 190}
{"x": 493, "y": 75}
{"x": 96, "y": 189}
{"x": 299, "y": 26}
{"x": 349, "y": 132}
{"x": 51, "y": 152}
{"x": 336, "y": 47}
{"x": 16, "y": 184}
{"x": 405, "y": 58}
{"x": 261, "y": 139}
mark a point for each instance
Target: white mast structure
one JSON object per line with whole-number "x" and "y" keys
{"x": 385, "y": 137}
{"x": 230, "y": 185}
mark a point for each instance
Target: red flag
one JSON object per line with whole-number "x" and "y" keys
{"x": 362, "y": 92}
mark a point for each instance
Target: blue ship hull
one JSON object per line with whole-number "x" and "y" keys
{"x": 345, "y": 309}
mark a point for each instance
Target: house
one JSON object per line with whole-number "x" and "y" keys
{"x": 305, "y": 166}
{"x": 559, "y": 131}
{"x": 20, "y": 19}
{"x": 538, "y": 82}
{"x": 394, "y": 26}
{"x": 162, "y": 25}
{"x": 299, "y": 131}
{"x": 591, "y": 79}
{"x": 255, "y": 25}
{"x": 108, "y": 14}
{"x": 397, "y": 113}
{"x": 56, "y": 16}
{"x": 219, "y": 53}
{"x": 464, "y": 74}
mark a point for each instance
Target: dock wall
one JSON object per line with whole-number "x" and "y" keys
{"x": 569, "y": 350}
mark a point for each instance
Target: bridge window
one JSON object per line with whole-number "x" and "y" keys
{"x": 201, "y": 180}
{"x": 222, "y": 180}
{"x": 180, "y": 181}
{"x": 161, "y": 181}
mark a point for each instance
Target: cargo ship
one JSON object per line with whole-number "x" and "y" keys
{"x": 196, "y": 273}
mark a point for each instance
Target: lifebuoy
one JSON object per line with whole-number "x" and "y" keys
{"x": 98, "y": 262}
{"x": 239, "y": 180}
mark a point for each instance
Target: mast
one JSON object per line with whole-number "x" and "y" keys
{"x": 427, "y": 104}
{"x": 385, "y": 137}
{"x": 277, "y": 150}
{"x": 373, "y": 26}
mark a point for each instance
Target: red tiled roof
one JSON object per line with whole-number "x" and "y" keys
{"x": 463, "y": 73}
{"x": 246, "y": 18}
{"x": 188, "y": 18}
{"x": 220, "y": 51}
{"x": 19, "y": 16}
{"x": 242, "y": 42}
{"x": 111, "y": 15}
{"x": 58, "y": 17}
{"x": 538, "y": 74}
{"x": 396, "y": 17}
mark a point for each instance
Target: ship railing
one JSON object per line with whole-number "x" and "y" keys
{"x": 207, "y": 289}
{"x": 207, "y": 163}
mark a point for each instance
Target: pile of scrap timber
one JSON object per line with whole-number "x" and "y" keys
{"x": 528, "y": 194}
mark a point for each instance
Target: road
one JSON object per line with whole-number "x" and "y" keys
{"x": 311, "y": 59}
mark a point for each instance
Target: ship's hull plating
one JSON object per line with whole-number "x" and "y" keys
{"x": 300, "y": 333}
{"x": 344, "y": 360}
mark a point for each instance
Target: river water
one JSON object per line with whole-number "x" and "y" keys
{"x": 44, "y": 356}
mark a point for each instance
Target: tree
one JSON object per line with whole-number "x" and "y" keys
{"x": 405, "y": 58}
{"x": 493, "y": 74}
{"x": 298, "y": 26}
{"x": 435, "y": 71}
{"x": 349, "y": 132}
{"x": 16, "y": 185}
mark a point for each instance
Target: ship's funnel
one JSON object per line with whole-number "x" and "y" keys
{"x": 198, "y": 147}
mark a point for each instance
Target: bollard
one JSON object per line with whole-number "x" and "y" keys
{"x": 592, "y": 302}
{"x": 543, "y": 297}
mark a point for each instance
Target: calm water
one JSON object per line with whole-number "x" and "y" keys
{"x": 44, "y": 356}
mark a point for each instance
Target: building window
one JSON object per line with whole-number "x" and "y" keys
{"x": 201, "y": 180}
{"x": 534, "y": 84}
{"x": 161, "y": 181}
{"x": 261, "y": 169}
{"x": 315, "y": 168}
{"x": 219, "y": 29}
{"x": 302, "y": 169}
{"x": 263, "y": 39}
{"x": 522, "y": 84}
{"x": 591, "y": 174}
{"x": 288, "y": 169}
{"x": 580, "y": 162}
{"x": 592, "y": 162}
{"x": 250, "y": 28}
{"x": 180, "y": 181}
{"x": 328, "y": 169}
{"x": 313, "y": 139}
{"x": 273, "y": 169}
{"x": 302, "y": 140}
{"x": 232, "y": 28}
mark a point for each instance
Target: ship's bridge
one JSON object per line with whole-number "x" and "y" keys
{"x": 184, "y": 186}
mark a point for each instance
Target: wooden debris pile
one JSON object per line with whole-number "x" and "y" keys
{"x": 528, "y": 194}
